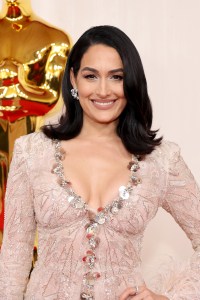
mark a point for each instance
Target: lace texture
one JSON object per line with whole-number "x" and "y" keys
{"x": 34, "y": 198}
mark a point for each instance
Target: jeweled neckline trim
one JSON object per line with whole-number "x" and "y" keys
{"x": 77, "y": 201}
{"x": 92, "y": 228}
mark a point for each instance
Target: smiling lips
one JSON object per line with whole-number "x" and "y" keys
{"x": 103, "y": 104}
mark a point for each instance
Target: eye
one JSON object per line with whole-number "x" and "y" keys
{"x": 117, "y": 77}
{"x": 90, "y": 76}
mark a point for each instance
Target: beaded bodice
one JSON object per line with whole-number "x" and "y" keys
{"x": 82, "y": 253}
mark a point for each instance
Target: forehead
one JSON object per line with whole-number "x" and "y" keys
{"x": 98, "y": 55}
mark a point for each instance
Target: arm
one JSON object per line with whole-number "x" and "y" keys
{"x": 19, "y": 230}
{"x": 182, "y": 201}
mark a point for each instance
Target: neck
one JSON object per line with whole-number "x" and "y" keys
{"x": 16, "y": 9}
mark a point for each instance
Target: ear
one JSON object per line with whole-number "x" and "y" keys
{"x": 73, "y": 78}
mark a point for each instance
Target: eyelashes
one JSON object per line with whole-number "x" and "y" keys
{"x": 117, "y": 77}
{"x": 90, "y": 76}
{"x": 112, "y": 77}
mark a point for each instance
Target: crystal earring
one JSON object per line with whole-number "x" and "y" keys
{"x": 74, "y": 93}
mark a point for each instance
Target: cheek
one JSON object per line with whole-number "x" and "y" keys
{"x": 124, "y": 104}
{"x": 84, "y": 90}
{"x": 119, "y": 91}
{"x": 122, "y": 96}
{"x": 123, "y": 100}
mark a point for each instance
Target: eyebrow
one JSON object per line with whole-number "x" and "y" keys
{"x": 95, "y": 71}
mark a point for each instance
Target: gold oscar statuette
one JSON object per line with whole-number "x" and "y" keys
{"x": 32, "y": 58}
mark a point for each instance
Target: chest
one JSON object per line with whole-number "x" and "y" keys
{"x": 96, "y": 178}
{"x": 53, "y": 209}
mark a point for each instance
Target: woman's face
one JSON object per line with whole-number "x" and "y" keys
{"x": 100, "y": 84}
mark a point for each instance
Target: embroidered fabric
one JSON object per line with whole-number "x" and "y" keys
{"x": 34, "y": 198}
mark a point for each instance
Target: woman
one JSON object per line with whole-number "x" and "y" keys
{"x": 90, "y": 237}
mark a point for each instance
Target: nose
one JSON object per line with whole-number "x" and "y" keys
{"x": 103, "y": 88}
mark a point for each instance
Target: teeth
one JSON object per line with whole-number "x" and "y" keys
{"x": 103, "y": 103}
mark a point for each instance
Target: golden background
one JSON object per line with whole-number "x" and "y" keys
{"x": 32, "y": 58}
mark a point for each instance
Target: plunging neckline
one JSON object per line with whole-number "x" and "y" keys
{"x": 78, "y": 201}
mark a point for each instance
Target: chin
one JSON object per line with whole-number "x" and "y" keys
{"x": 106, "y": 121}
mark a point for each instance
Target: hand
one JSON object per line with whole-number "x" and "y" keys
{"x": 143, "y": 293}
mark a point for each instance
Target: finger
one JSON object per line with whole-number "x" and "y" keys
{"x": 128, "y": 292}
{"x": 144, "y": 295}
{"x": 132, "y": 291}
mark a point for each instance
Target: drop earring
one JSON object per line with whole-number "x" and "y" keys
{"x": 74, "y": 93}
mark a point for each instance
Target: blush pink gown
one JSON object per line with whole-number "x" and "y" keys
{"x": 34, "y": 198}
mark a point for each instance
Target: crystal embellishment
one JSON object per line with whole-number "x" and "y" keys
{"x": 123, "y": 192}
{"x": 85, "y": 296}
{"x": 70, "y": 199}
{"x": 100, "y": 218}
{"x": 92, "y": 228}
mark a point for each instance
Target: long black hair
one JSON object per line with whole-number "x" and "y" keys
{"x": 134, "y": 126}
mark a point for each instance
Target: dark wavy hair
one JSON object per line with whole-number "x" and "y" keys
{"x": 134, "y": 126}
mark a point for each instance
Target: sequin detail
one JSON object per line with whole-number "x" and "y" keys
{"x": 92, "y": 228}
